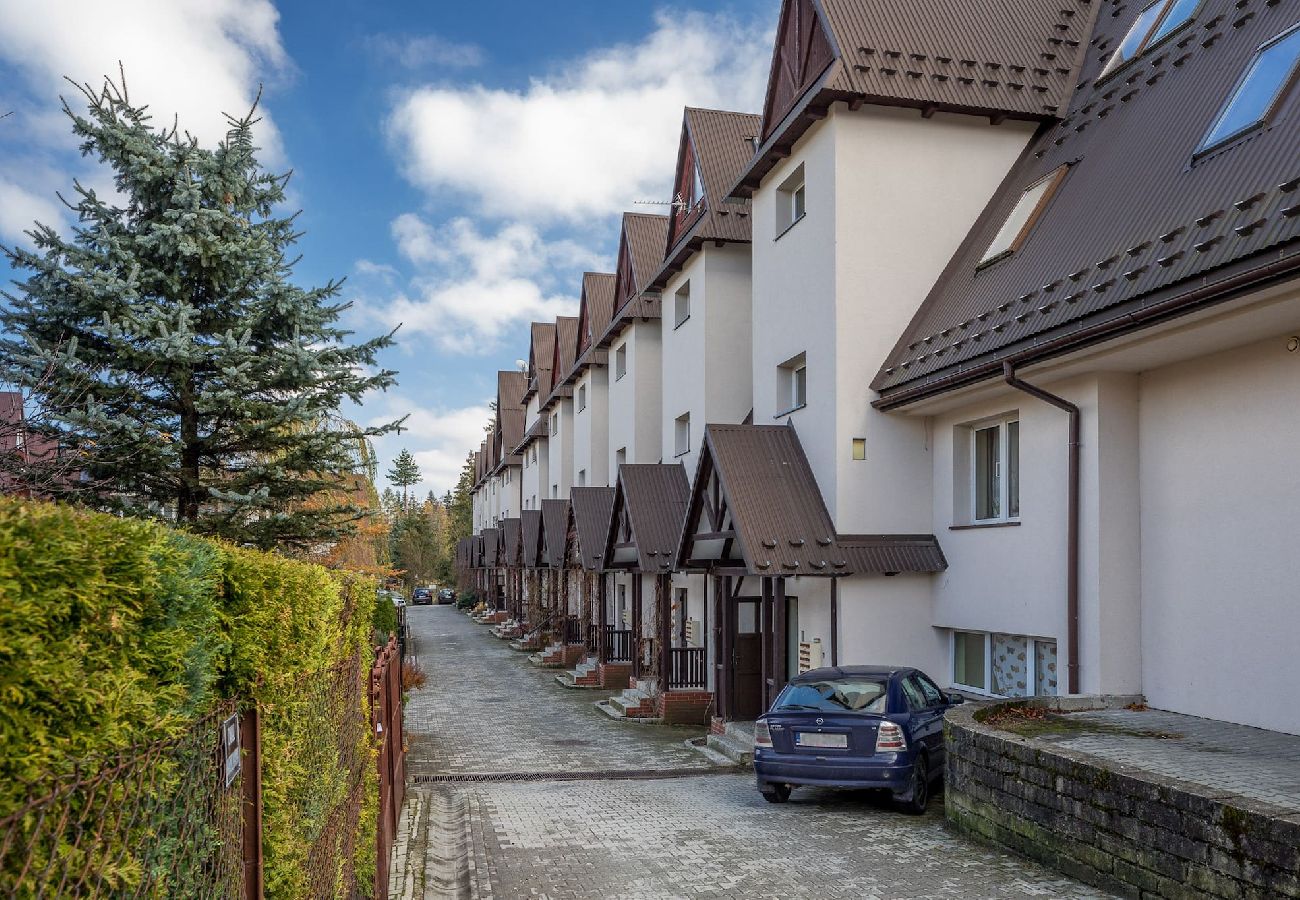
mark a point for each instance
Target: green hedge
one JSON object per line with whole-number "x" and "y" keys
{"x": 115, "y": 632}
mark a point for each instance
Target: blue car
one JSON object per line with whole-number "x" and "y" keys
{"x": 854, "y": 727}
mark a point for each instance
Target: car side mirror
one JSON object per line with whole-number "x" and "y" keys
{"x": 955, "y": 699}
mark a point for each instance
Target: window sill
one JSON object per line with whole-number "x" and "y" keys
{"x": 681, "y": 323}
{"x": 1011, "y": 523}
{"x": 793, "y": 409}
{"x": 782, "y": 233}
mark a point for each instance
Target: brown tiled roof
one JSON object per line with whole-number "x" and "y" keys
{"x": 1137, "y": 231}
{"x": 510, "y": 542}
{"x": 1002, "y": 58}
{"x": 566, "y": 354}
{"x": 891, "y": 554}
{"x": 640, "y": 251}
{"x": 555, "y": 528}
{"x": 541, "y": 350}
{"x": 591, "y": 508}
{"x": 597, "y": 307}
{"x": 530, "y": 535}
{"x": 718, "y": 142}
{"x": 476, "y": 551}
{"x": 652, "y": 499}
{"x": 490, "y": 547}
{"x": 511, "y": 385}
{"x": 771, "y": 498}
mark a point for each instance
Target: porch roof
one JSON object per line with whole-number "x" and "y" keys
{"x": 490, "y": 547}
{"x": 591, "y": 509}
{"x": 646, "y": 521}
{"x": 509, "y": 552}
{"x": 555, "y": 528}
{"x": 530, "y": 530}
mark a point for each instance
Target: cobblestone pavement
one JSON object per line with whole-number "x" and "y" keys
{"x": 486, "y": 709}
{"x": 1262, "y": 765}
{"x": 611, "y": 838}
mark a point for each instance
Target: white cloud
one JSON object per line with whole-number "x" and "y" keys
{"x": 589, "y": 139}
{"x": 437, "y": 437}
{"x": 422, "y": 50}
{"x": 371, "y": 269}
{"x": 21, "y": 209}
{"x": 192, "y": 58}
{"x": 476, "y": 285}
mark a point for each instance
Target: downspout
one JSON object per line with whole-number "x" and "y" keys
{"x": 1071, "y": 525}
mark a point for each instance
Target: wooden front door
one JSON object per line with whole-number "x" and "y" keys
{"x": 747, "y": 663}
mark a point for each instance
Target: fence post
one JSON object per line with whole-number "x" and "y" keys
{"x": 250, "y": 738}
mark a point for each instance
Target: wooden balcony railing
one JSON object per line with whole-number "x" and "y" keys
{"x": 686, "y": 667}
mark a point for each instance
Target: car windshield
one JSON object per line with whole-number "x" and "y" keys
{"x": 860, "y": 695}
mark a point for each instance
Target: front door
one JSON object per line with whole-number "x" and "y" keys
{"x": 747, "y": 663}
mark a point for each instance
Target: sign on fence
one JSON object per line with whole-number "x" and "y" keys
{"x": 230, "y": 749}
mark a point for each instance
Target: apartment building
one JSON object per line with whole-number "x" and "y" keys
{"x": 971, "y": 352}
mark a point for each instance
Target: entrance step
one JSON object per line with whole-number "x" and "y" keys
{"x": 701, "y": 746}
{"x": 635, "y": 703}
{"x": 617, "y": 712}
{"x": 585, "y": 674}
{"x": 550, "y": 658}
{"x": 736, "y": 743}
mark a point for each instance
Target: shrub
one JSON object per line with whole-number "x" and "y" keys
{"x": 413, "y": 675}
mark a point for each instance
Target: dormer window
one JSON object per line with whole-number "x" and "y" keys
{"x": 697, "y": 189}
{"x": 1022, "y": 217}
{"x": 1155, "y": 23}
{"x": 1272, "y": 70}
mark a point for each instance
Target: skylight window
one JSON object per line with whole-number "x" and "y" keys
{"x": 1271, "y": 72}
{"x": 1022, "y": 216}
{"x": 1155, "y": 23}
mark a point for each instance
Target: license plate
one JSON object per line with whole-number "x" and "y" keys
{"x": 810, "y": 739}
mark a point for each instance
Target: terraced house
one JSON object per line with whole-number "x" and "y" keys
{"x": 976, "y": 350}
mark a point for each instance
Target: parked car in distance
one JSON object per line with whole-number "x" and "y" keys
{"x": 398, "y": 600}
{"x": 859, "y": 727}
{"x": 446, "y": 595}
{"x": 422, "y": 596}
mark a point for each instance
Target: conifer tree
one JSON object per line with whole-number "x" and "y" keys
{"x": 404, "y": 473}
{"x": 173, "y": 356}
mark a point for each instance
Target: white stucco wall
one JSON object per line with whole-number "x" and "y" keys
{"x": 591, "y": 427}
{"x": 1220, "y": 505}
{"x": 559, "y": 451}
{"x": 842, "y": 284}
{"x": 635, "y": 401}
{"x": 511, "y": 486}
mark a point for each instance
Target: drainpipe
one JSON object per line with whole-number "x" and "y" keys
{"x": 1072, "y": 522}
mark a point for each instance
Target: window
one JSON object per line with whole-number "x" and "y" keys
{"x": 555, "y": 492}
{"x": 792, "y": 384}
{"x": 620, "y": 456}
{"x": 791, "y": 201}
{"x": 1270, "y": 73}
{"x": 582, "y": 478}
{"x": 1021, "y": 219}
{"x": 555, "y": 423}
{"x": 682, "y": 305}
{"x": 620, "y": 361}
{"x": 1155, "y": 23}
{"x": 582, "y": 397}
{"x": 697, "y": 189}
{"x": 995, "y": 466}
{"x": 1004, "y": 665}
{"x": 682, "y": 435}
{"x": 859, "y": 448}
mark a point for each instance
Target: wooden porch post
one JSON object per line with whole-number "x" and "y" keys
{"x": 636, "y": 625}
{"x": 835, "y": 621}
{"x": 722, "y": 598}
{"x": 602, "y": 616}
{"x": 780, "y": 650}
{"x": 664, "y": 594}
{"x": 765, "y": 614}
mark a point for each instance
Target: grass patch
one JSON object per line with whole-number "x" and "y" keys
{"x": 1033, "y": 721}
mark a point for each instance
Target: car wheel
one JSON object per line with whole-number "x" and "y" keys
{"x": 776, "y": 793}
{"x": 920, "y": 788}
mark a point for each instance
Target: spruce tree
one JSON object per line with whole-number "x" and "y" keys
{"x": 171, "y": 354}
{"x": 404, "y": 473}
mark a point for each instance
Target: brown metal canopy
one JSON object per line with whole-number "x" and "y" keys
{"x": 530, "y": 531}
{"x": 590, "y": 509}
{"x": 646, "y": 522}
{"x": 510, "y": 546}
{"x": 555, "y": 527}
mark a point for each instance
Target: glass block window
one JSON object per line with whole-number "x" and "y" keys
{"x": 1045, "y": 668}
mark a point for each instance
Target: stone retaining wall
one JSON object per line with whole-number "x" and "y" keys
{"x": 1126, "y": 830}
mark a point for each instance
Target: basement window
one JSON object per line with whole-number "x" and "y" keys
{"x": 1020, "y": 221}
{"x": 1271, "y": 72}
{"x": 1003, "y": 665}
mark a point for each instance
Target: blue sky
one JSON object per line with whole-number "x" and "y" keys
{"x": 462, "y": 164}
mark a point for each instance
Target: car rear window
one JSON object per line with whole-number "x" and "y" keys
{"x": 859, "y": 695}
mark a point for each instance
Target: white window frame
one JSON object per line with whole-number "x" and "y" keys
{"x": 790, "y": 375}
{"x": 582, "y": 397}
{"x": 555, "y": 423}
{"x": 620, "y": 361}
{"x": 681, "y": 304}
{"x": 682, "y": 447}
{"x": 791, "y": 201}
{"x": 1002, "y": 424}
{"x": 582, "y": 478}
{"x": 1031, "y": 664}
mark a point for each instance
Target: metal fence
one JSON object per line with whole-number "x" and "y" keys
{"x": 160, "y": 820}
{"x": 182, "y": 817}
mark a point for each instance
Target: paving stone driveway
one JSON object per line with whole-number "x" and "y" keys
{"x": 667, "y": 837}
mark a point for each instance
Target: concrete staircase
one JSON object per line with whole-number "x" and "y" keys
{"x": 585, "y": 674}
{"x": 508, "y": 630}
{"x": 736, "y": 743}
{"x": 552, "y": 657}
{"x": 526, "y": 643}
{"x": 636, "y": 703}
